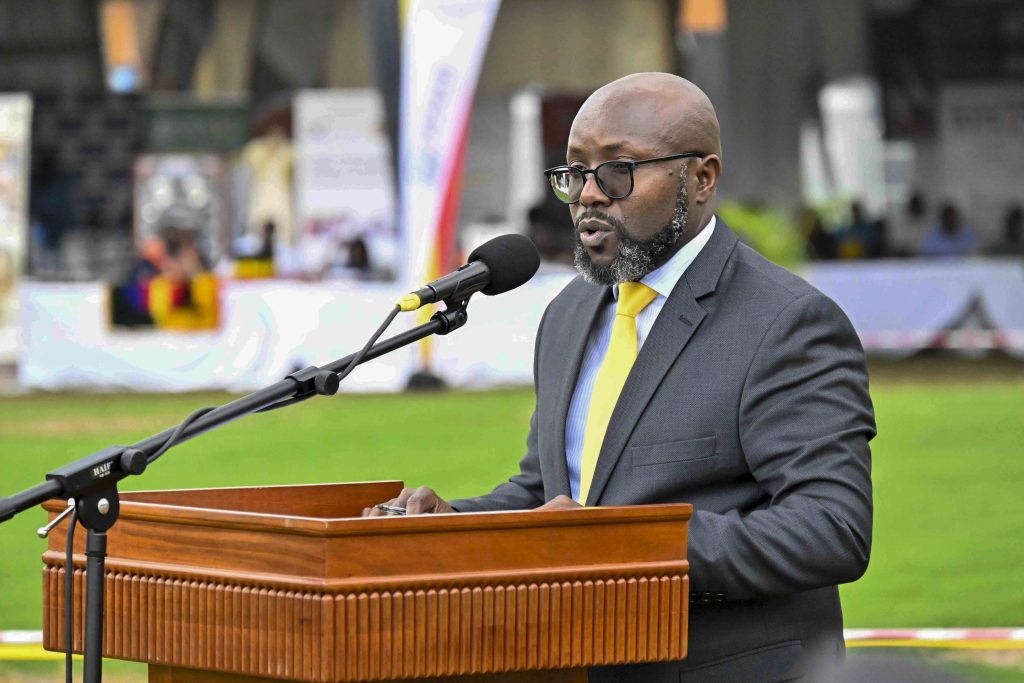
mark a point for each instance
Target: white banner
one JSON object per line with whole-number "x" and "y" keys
{"x": 15, "y": 124}
{"x": 981, "y": 143}
{"x": 443, "y": 48}
{"x": 343, "y": 184}
{"x": 852, "y": 121}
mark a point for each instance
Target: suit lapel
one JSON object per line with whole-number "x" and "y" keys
{"x": 676, "y": 324}
{"x": 576, "y": 334}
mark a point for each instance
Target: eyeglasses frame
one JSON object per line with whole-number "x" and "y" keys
{"x": 631, "y": 164}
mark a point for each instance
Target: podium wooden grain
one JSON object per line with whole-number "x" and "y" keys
{"x": 288, "y": 583}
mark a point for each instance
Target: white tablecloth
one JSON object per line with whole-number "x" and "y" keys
{"x": 901, "y": 306}
{"x": 271, "y": 328}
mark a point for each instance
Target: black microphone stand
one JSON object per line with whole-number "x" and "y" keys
{"x": 92, "y": 481}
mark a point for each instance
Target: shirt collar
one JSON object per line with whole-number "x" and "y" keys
{"x": 663, "y": 279}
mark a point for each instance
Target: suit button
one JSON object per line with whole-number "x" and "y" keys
{"x": 706, "y": 599}
{"x": 719, "y": 598}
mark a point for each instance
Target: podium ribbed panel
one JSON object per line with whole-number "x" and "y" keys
{"x": 379, "y": 635}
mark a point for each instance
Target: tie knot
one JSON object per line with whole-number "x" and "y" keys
{"x": 633, "y": 297}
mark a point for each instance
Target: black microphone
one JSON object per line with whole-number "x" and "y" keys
{"x": 494, "y": 267}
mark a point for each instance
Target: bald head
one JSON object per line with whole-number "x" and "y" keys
{"x": 664, "y": 108}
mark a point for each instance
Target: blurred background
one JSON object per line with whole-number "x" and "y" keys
{"x": 205, "y": 195}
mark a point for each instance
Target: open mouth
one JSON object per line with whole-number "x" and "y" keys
{"x": 593, "y": 232}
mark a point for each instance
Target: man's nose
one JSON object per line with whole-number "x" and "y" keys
{"x": 592, "y": 193}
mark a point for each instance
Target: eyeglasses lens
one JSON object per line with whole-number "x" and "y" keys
{"x": 567, "y": 185}
{"x": 614, "y": 179}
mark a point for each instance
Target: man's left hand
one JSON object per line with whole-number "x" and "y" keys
{"x": 560, "y": 503}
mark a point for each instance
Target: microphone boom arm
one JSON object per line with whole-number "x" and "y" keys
{"x": 92, "y": 480}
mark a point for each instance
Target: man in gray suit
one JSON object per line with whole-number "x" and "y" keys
{"x": 748, "y": 397}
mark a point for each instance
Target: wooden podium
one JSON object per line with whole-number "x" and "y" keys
{"x": 286, "y": 582}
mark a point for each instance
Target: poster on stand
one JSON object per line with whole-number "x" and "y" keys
{"x": 15, "y": 126}
{"x": 179, "y": 237}
{"x": 981, "y": 144}
{"x": 344, "y": 191}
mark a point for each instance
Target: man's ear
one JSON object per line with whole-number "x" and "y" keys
{"x": 708, "y": 171}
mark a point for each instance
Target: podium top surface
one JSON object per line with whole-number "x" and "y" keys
{"x": 336, "y": 509}
{"x": 315, "y": 533}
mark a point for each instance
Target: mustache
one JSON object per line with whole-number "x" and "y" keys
{"x": 601, "y": 216}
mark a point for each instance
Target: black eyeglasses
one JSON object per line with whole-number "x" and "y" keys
{"x": 615, "y": 178}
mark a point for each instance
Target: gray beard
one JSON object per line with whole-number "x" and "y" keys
{"x": 636, "y": 258}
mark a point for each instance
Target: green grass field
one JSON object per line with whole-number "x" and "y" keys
{"x": 948, "y": 473}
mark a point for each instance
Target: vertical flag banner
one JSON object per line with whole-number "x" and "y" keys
{"x": 443, "y": 47}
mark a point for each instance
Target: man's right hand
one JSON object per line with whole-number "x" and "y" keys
{"x": 418, "y": 501}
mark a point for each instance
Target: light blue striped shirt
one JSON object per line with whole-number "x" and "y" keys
{"x": 662, "y": 280}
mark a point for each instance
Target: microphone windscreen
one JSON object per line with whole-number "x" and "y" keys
{"x": 511, "y": 260}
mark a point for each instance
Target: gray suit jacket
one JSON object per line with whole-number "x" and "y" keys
{"x": 749, "y": 399}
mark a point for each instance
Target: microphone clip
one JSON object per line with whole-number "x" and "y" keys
{"x": 314, "y": 380}
{"x": 453, "y": 316}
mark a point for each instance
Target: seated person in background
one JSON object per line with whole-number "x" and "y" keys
{"x": 909, "y": 226}
{"x": 184, "y": 295}
{"x": 881, "y": 244}
{"x": 1012, "y": 243}
{"x": 950, "y": 237}
{"x": 820, "y": 244}
{"x": 858, "y": 239}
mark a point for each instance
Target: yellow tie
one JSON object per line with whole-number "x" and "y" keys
{"x": 618, "y": 361}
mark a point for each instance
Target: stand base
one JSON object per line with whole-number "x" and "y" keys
{"x": 424, "y": 380}
{"x": 173, "y": 674}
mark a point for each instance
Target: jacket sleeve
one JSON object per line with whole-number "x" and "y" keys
{"x": 805, "y": 419}
{"x": 525, "y": 490}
